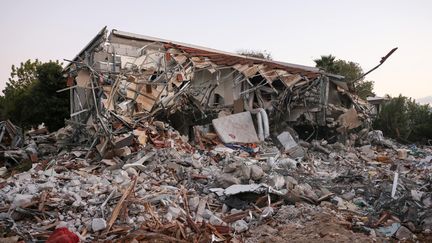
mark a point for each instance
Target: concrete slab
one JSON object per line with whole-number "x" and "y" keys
{"x": 237, "y": 128}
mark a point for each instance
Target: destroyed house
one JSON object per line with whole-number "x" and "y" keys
{"x": 130, "y": 78}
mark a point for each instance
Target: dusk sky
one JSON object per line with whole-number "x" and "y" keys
{"x": 292, "y": 31}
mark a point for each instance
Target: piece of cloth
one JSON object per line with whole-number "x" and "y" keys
{"x": 63, "y": 235}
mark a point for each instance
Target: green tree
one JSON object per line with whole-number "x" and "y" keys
{"x": 52, "y": 107}
{"x": 364, "y": 88}
{"x": 420, "y": 117}
{"x": 404, "y": 119}
{"x": 16, "y": 92}
{"x": 30, "y": 96}
{"x": 393, "y": 118}
{"x": 350, "y": 70}
{"x": 328, "y": 64}
{"x": 2, "y": 108}
{"x": 22, "y": 76}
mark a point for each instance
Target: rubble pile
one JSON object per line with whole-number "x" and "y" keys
{"x": 169, "y": 142}
{"x": 175, "y": 192}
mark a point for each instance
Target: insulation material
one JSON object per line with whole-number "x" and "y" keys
{"x": 246, "y": 70}
{"x": 203, "y": 63}
{"x": 349, "y": 120}
{"x": 83, "y": 79}
{"x": 180, "y": 59}
{"x": 268, "y": 73}
{"x": 148, "y": 98}
{"x": 290, "y": 80}
{"x": 133, "y": 90}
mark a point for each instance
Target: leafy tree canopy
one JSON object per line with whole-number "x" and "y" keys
{"x": 23, "y": 76}
{"x": 404, "y": 119}
{"x": 30, "y": 96}
{"x": 350, "y": 70}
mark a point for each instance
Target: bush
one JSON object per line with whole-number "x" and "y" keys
{"x": 405, "y": 120}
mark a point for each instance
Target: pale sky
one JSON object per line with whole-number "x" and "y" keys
{"x": 292, "y": 31}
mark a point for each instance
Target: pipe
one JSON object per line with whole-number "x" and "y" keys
{"x": 263, "y": 123}
{"x": 383, "y": 59}
{"x": 260, "y": 126}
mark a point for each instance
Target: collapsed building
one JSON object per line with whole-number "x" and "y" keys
{"x": 124, "y": 170}
{"x": 127, "y": 78}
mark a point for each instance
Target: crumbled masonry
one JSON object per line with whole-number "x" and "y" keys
{"x": 169, "y": 142}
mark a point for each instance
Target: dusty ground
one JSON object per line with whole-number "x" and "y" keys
{"x": 318, "y": 226}
{"x": 323, "y": 228}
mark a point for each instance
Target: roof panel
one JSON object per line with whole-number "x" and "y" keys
{"x": 224, "y": 58}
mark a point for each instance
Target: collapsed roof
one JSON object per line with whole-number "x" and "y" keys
{"x": 130, "y": 78}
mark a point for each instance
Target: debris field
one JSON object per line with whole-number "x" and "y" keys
{"x": 171, "y": 142}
